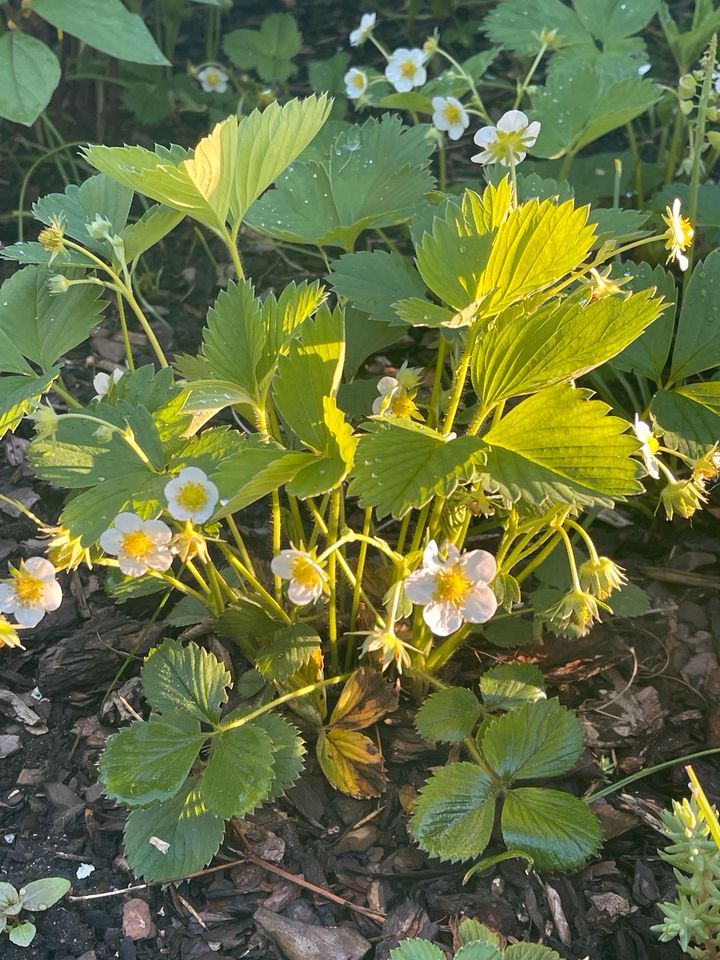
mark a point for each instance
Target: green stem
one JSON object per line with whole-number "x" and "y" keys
{"x": 62, "y": 391}
{"x": 254, "y": 583}
{"x": 442, "y": 166}
{"x": 285, "y": 698}
{"x": 710, "y": 59}
{"x": 538, "y": 559}
{"x": 470, "y": 82}
{"x": 530, "y": 74}
{"x": 124, "y": 329}
{"x": 240, "y": 543}
{"x": 647, "y": 772}
{"x": 459, "y": 383}
{"x": 360, "y": 569}
{"x": 447, "y": 648}
{"x": 332, "y": 578}
{"x": 434, "y": 405}
{"x": 231, "y": 244}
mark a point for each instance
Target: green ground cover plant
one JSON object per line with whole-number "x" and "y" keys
{"x": 551, "y": 373}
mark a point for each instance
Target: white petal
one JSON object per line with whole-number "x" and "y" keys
{"x": 192, "y": 475}
{"x": 52, "y": 595}
{"x": 131, "y": 566}
{"x": 128, "y": 522}
{"x": 483, "y": 157}
{"x": 101, "y": 383}
{"x": 172, "y": 488}
{"x": 41, "y": 568}
{"x": 479, "y": 605}
{"x": 452, "y": 554}
{"x": 438, "y": 103}
{"x": 532, "y": 133}
{"x": 299, "y": 594}
{"x": 159, "y": 559}
{"x": 29, "y": 616}
{"x": 387, "y": 385}
{"x": 282, "y": 564}
{"x": 111, "y": 540}
{"x": 158, "y": 531}
{"x": 479, "y": 566}
{"x": 8, "y": 598}
{"x": 443, "y": 618}
{"x": 512, "y": 121}
{"x": 420, "y": 587}
{"x": 377, "y": 406}
{"x": 682, "y": 260}
{"x": 420, "y": 77}
{"x": 431, "y": 557}
{"x": 456, "y": 130}
{"x": 485, "y": 136}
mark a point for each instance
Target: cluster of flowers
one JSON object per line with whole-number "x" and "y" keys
{"x": 139, "y": 545}
{"x": 507, "y": 143}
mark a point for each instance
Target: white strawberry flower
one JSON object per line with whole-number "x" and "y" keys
{"x": 31, "y": 592}
{"x": 509, "y": 141}
{"x": 361, "y": 34}
{"x": 140, "y": 545}
{"x": 453, "y": 590}
{"x": 406, "y": 69}
{"x": 213, "y": 80}
{"x": 102, "y": 381}
{"x": 356, "y": 83}
{"x": 679, "y": 235}
{"x": 450, "y": 116}
{"x": 307, "y": 578}
{"x": 649, "y": 448}
{"x": 191, "y": 496}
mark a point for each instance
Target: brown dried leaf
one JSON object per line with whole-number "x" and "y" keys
{"x": 351, "y": 762}
{"x": 365, "y": 699}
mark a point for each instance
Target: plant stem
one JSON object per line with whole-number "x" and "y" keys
{"x": 459, "y": 383}
{"x": 240, "y": 543}
{"x": 447, "y": 648}
{"x": 360, "y": 568}
{"x": 254, "y": 583}
{"x": 332, "y": 579}
{"x": 124, "y": 329}
{"x": 710, "y": 59}
{"x": 528, "y": 77}
{"x": 434, "y": 405}
{"x": 285, "y": 698}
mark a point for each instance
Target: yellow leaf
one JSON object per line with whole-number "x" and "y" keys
{"x": 365, "y": 699}
{"x": 351, "y": 762}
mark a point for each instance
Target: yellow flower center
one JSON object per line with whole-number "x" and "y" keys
{"x": 653, "y": 444}
{"x": 358, "y": 81}
{"x": 304, "y": 572}
{"x": 451, "y": 586}
{"x": 408, "y": 68}
{"x": 681, "y": 232}
{"x": 192, "y": 496}
{"x": 137, "y": 544}
{"x": 402, "y": 406}
{"x": 28, "y": 589}
{"x": 51, "y": 238}
{"x": 212, "y": 78}
{"x": 452, "y": 114}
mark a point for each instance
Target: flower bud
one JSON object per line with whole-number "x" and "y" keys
{"x": 58, "y": 284}
{"x": 549, "y": 38}
{"x": 713, "y": 136}
{"x": 687, "y": 107}
{"x": 601, "y": 577}
{"x": 575, "y": 613}
{"x": 99, "y": 228}
{"x": 686, "y": 86}
{"x": 52, "y": 238}
{"x": 46, "y": 422}
{"x": 707, "y": 467}
{"x": 683, "y": 497}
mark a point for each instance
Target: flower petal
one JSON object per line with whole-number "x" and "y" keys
{"x": 41, "y": 568}
{"x": 420, "y": 586}
{"x": 513, "y": 121}
{"x": 158, "y": 531}
{"x": 479, "y": 604}
{"x": 299, "y": 594}
{"x": 8, "y": 598}
{"x": 111, "y": 541}
{"x": 479, "y": 566}
{"x": 485, "y": 136}
{"x": 131, "y": 566}
{"x": 443, "y": 618}
{"x": 431, "y": 557}
{"x": 52, "y": 595}
{"x": 29, "y": 616}
{"x": 159, "y": 559}
{"x": 127, "y": 522}
{"x": 282, "y": 564}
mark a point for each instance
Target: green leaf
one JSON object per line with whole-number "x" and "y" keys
{"x": 454, "y": 812}
{"x": 648, "y": 354}
{"x": 93, "y": 511}
{"x": 288, "y": 752}
{"x": 42, "y": 894}
{"x": 423, "y": 462}
{"x": 44, "y": 328}
{"x": 290, "y": 649}
{"x": 239, "y": 773}
{"x": 309, "y": 373}
{"x": 271, "y": 140}
{"x": 192, "y": 832}
{"x": 23, "y": 934}
{"x": 689, "y": 416}
{"x": 29, "y": 74}
{"x": 536, "y": 245}
{"x": 371, "y": 176}
{"x": 198, "y": 186}
{"x": 187, "y": 679}
{"x": 559, "y": 831}
{"x": 153, "y": 225}
{"x": 516, "y": 24}
{"x": 540, "y": 739}
{"x": 150, "y": 760}
{"x": 417, "y": 950}
{"x": 448, "y": 715}
{"x": 268, "y": 50}
{"x": 245, "y": 617}
{"x": 530, "y": 951}
{"x": 610, "y": 19}
{"x": 374, "y": 280}
{"x": 77, "y": 206}
{"x": 562, "y": 340}
{"x": 106, "y": 25}
{"x": 258, "y": 470}
{"x": 19, "y": 395}
{"x": 470, "y": 931}
{"x": 697, "y": 341}
{"x": 559, "y": 447}
{"x": 509, "y": 685}
{"x": 478, "y": 951}
{"x": 575, "y": 107}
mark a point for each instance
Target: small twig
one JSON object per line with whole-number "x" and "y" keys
{"x": 191, "y": 910}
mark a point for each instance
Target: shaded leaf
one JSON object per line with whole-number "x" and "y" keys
{"x": 29, "y": 74}
{"x": 448, "y": 715}
{"x": 559, "y": 831}
{"x": 187, "y": 679}
{"x": 509, "y": 685}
